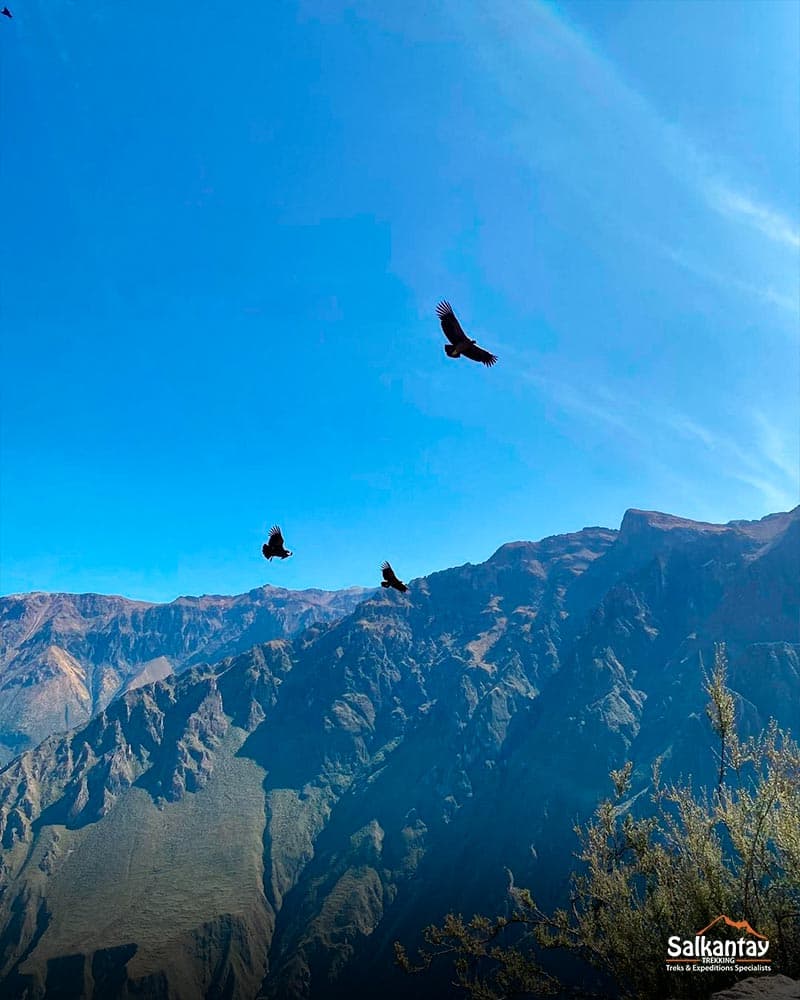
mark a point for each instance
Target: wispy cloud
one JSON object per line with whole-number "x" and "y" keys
{"x": 777, "y": 482}
{"x": 777, "y": 448}
{"x": 595, "y": 102}
{"x": 775, "y": 497}
{"x": 741, "y": 458}
{"x": 678, "y": 150}
{"x": 786, "y": 303}
{"x": 761, "y": 455}
{"x": 599, "y": 406}
{"x": 737, "y": 205}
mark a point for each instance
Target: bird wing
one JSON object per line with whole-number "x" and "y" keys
{"x": 388, "y": 573}
{"x": 450, "y": 325}
{"x": 275, "y": 536}
{"x": 478, "y": 354}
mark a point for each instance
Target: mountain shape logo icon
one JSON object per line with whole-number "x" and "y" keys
{"x": 739, "y": 925}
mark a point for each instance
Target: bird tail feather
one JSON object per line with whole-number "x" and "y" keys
{"x": 384, "y": 583}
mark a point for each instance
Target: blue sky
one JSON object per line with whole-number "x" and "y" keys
{"x": 226, "y": 229}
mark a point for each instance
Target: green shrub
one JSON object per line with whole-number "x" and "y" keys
{"x": 694, "y": 855}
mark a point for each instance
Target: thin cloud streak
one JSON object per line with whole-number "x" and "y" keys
{"x": 670, "y": 143}
{"x": 744, "y": 464}
{"x": 775, "y": 447}
{"x": 763, "y": 465}
{"x": 783, "y": 302}
{"x": 768, "y": 222}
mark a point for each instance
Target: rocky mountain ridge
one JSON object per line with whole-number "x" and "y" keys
{"x": 64, "y": 657}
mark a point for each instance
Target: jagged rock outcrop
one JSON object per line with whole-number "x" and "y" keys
{"x": 270, "y": 825}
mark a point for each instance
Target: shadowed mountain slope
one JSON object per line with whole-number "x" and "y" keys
{"x": 267, "y": 827}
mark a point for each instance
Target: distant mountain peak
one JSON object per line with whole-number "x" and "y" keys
{"x": 553, "y": 544}
{"x": 637, "y": 522}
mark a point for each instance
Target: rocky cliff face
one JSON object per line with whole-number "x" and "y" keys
{"x": 268, "y": 826}
{"x": 64, "y": 657}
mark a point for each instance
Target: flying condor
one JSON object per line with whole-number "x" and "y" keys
{"x": 275, "y": 546}
{"x": 460, "y": 343}
{"x": 390, "y": 579}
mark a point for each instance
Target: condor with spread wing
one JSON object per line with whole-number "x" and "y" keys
{"x": 275, "y": 547}
{"x": 460, "y": 343}
{"x": 390, "y": 580}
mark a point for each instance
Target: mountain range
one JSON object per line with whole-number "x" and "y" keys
{"x": 64, "y": 657}
{"x": 268, "y": 825}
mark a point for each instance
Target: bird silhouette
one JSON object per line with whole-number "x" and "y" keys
{"x": 390, "y": 579}
{"x": 6, "y": 11}
{"x": 275, "y": 546}
{"x": 460, "y": 344}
